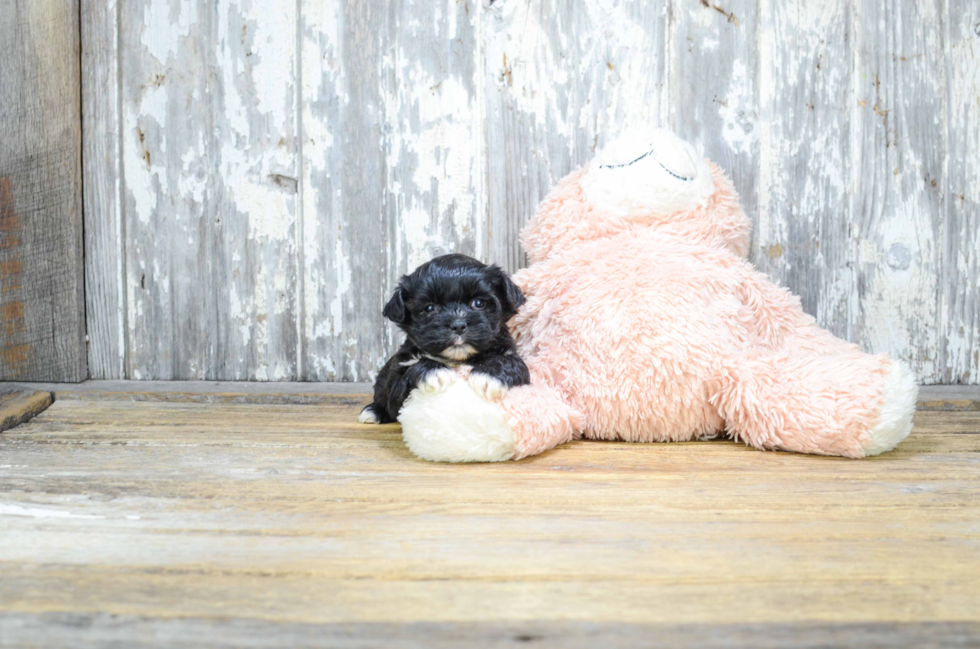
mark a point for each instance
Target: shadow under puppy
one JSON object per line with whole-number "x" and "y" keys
{"x": 454, "y": 311}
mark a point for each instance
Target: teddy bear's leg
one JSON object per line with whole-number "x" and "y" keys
{"x": 458, "y": 425}
{"x": 799, "y": 388}
{"x": 849, "y": 404}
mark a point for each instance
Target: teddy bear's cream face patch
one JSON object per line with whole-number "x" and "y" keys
{"x": 644, "y": 173}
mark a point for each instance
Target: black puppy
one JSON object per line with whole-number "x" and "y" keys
{"x": 454, "y": 310}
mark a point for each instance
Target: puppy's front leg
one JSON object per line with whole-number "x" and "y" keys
{"x": 427, "y": 375}
{"x": 495, "y": 375}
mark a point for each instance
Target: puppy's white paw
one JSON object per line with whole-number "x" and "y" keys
{"x": 486, "y": 386}
{"x": 367, "y": 416}
{"x": 437, "y": 380}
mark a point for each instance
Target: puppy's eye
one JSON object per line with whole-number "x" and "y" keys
{"x": 429, "y": 308}
{"x": 478, "y": 303}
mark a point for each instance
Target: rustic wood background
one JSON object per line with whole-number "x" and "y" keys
{"x": 42, "y": 305}
{"x": 257, "y": 173}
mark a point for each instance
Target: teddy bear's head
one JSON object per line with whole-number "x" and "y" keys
{"x": 648, "y": 173}
{"x": 645, "y": 179}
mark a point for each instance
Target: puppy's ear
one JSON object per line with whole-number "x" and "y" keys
{"x": 508, "y": 293}
{"x": 395, "y": 309}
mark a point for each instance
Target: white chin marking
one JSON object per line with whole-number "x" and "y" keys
{"x": 653, "y": 172}
{"x": 486, "y": 386}
{"x": 367, "y": 416}
{"x": 898, "y": 396}
{"x": 456, "y": 425}
{"x": 458, "y": 352}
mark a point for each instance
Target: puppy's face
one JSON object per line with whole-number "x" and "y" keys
{"x": 453, "y": 306}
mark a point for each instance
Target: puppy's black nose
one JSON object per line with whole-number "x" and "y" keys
{"x": 458, "y": 326}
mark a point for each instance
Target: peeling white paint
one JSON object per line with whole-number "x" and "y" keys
{"x": 164, "y": 23}
{"x": 739, "y": 130}
{"x": 480, "y": 107}
{"x": 269, "y": 211}
{"x": 145, "y": 176}
{"x": 343, "y": 277}
{"x": 271, "y": 72}
{"x": 443, "y": 175}
{"x": 961, "y": 304}
{"x": 532, "y": 79}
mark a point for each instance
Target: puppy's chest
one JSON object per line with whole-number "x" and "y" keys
{"x": 461, "y": 367}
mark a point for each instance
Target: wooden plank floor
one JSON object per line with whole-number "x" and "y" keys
{"x": 226, "y": 523}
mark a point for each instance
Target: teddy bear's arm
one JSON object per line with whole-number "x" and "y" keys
{"x": 778, "y": 319}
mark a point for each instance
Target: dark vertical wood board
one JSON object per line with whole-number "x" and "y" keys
{"x": 42, "y": 311}
{"x": 961, "y": 257}
{"x": 105, "y": 291}
{"x": 898, "y": 167}
{"x": 561, "y": 79}
{"x": 803, "y": 234}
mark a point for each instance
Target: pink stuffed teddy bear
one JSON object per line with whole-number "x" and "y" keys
{"x": 645, "y": 323}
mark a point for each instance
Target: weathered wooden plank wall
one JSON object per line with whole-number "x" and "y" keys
{"x": 804, "y": 223}
{"x": 258, "y": 173}
{"x": 42, "y": 311}
{"x": 960, "y": 316}
{"x": 558, "y": 77}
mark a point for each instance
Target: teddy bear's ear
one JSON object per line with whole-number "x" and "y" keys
{"x": 395, "y": 309}
{"x": 508, "y": 293}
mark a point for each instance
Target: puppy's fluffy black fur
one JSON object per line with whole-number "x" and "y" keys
{"x": 453, "y": 310}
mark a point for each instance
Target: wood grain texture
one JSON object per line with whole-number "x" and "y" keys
{"x": 804, "y": 235}
{"x": 105, "y": 235}
{"x": 899, "y": 203}
{"x": 393, "y": 148}
{"x": 60, "y": 629}
{"x": 254, "y": 392}
{"x": 714, "y": 101}
{"x": 435, "y": 196}
{"x": 273, "y": 183}
{"x": 168, "y": 96}
{"x": 295, "y": 515}
{"x": 42, "y": 310}
{"x": 211, "y": 167}
{"x": 931, "y": 397}
{"x": 346, "y": 224}
{"x": 960, "y": 280}
{"x": 560, "y": 78}
{"x": 434, "y": 131}
{"x": 256, "y": 164}
{"x": 18, "y": 404}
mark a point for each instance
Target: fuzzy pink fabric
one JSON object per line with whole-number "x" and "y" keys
{"x": 540, "y": 419}
{"x": 656, "y": 329}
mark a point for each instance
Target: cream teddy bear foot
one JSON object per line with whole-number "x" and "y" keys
{"x": 456, "y": 425}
